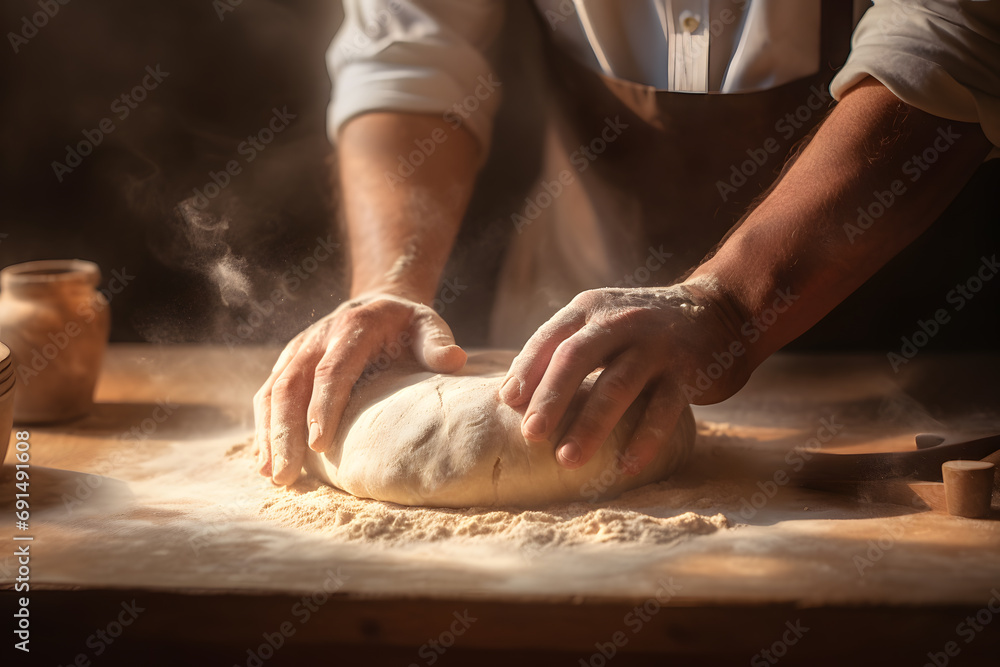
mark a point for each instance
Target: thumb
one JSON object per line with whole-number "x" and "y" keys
{"x": 434, "y": 344}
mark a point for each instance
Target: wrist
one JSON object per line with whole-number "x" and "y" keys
{"x": 411, "y": 290}
{"x": 721, "y": 360}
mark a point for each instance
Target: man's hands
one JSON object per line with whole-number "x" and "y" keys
{"x": 303, "y": 400}
{"x": 648, "y": 340}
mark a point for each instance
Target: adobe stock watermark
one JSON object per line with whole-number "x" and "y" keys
{"x": 759, "y": 156}
{"x": 751, "y": 330}
{"x": 915, "y": 167}
{"x": 449, "y": 292}
{"x": 456, "y": 115}
{"x": 356, "y": 38}
{"x": 302, "y": 611}
{"x": 223, "y": 7}
{"x": 30, "y": 25}
{"x": 877, "y": 549}
{"x": 291, "y": 280}
{"x": 795, "y": 460}
{"x": 390, "y": 352}
{"x": 248, "y": 149}
{"x": 8, "y": 570}
{"x": 145, "y": 429}
{"x": 102, "y": 638}
{"x": 581, "y": 159}
{"x": 86, "y": 485}
{"x": 121, "y": 107}
{"x": 433, "y": 649}
{"x": 655, "y": 260}
{"x": 779, "y": 648}
{"x": 958, "y": 297}
{"x": 41, "y": 356}
{"x": 900, "y": 15}
{"x": 968, "y": 629}
{"x": 463, "y": 109}
{"x": 635, "y": 620}
{"x": 594, "y": 488}
{"x": 223, "y": 516}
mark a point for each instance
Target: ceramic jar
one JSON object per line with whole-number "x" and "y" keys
{"x": 56, "y": 324}
{"x": 7, "y": 382}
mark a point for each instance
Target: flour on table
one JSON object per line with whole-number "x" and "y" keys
{"x": 312, "y": 506}
{"x": 689, "y": 504}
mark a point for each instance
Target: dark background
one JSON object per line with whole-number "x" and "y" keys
{"x": 119, "y": 208}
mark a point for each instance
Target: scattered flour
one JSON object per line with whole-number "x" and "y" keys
{"x": 656, "y": 514}
{"x": 311, "y": 505}
{"x": 208, "y": 491}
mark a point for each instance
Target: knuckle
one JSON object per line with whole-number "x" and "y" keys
{"x": 328, "y": 371}
{"x": 614, "y": 388}
{"x": 588, "y": 299}
{"x": 423, "y": 311}
{"x": 430, "y": 327}
{"x": 664, "y": 407}
{"x": 357, "y": 317}
{"x": 569, "y": 353}
{"x": 627, "y": 317}
{"x": 436, "y": 337}
{"x": 286, "y": 389}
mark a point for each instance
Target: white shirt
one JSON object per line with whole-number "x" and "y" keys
{"x": 424, "y": 56}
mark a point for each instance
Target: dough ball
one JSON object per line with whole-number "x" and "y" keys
{"x": 419, "y": 438}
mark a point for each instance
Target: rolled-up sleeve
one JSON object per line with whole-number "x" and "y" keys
{"x": 941, "y": 57}
{"x": 417, "y": 56}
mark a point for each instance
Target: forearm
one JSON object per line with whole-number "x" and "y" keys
{"x": 807, "y": 246}
{"x": 401, "y": 221}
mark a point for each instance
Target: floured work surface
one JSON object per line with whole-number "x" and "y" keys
{"x": 155, "y": 491}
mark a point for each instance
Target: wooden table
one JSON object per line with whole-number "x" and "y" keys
{"x": 789, "y": 581}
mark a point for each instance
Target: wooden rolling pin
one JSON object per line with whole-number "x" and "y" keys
{"x": 923, "y": 463}
{"x": 910, "y": 478}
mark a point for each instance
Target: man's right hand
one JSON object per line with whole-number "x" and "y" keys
{"x": 302, "y": 402}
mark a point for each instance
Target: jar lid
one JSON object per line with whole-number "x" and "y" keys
{"x": 49, "y": 271}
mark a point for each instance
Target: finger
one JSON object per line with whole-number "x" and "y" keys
{"x": 573, "y": 360}
{"x": 290, "y": 397}
{"x": 262, "y": 426}
{"x": 615, "y": 390}
{"x": 262, "y": 407}
{"x": 528, "y": 367}
{"x": 434, "y": 344}
{"x": 286, "y": 356}
{"x": 655, "y": 428}
{"x": 336, "y": 373}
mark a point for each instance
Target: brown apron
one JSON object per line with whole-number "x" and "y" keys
{"x": 638, "y": 185}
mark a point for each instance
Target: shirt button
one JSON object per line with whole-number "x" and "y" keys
{"x": 689, "y": 21}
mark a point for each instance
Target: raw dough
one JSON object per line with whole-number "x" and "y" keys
{"x": 418, "y": 438}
